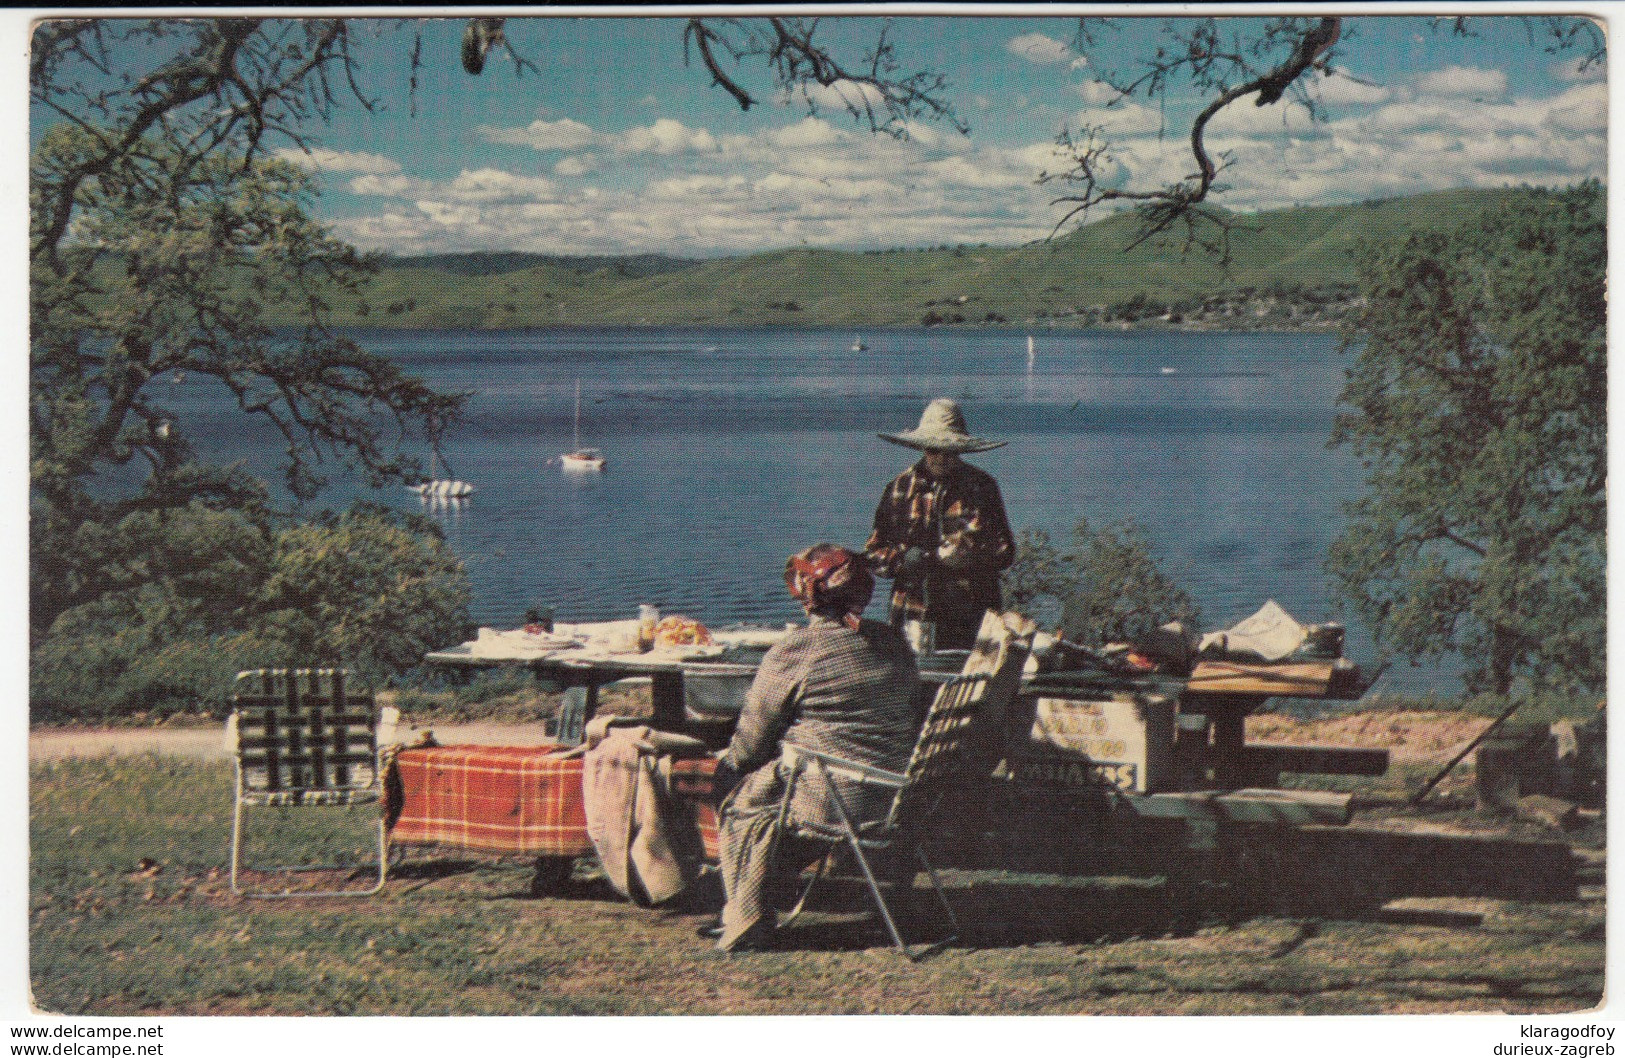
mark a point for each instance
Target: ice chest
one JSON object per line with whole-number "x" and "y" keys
{"x": 1117, "y": 738}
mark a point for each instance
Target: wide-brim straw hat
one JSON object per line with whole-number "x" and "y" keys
{"x": 942, "y": 429}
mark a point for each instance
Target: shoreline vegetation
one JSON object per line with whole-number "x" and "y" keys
{"x": 1290, "y": 270}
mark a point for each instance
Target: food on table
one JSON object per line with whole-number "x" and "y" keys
{"x": 679, "y": 631}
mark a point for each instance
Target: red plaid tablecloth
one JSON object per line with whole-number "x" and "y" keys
{"x": 518, "y": 799}
{"x": 494, "y": 798}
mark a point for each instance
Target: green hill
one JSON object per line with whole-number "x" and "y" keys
{"x": 1289, "y": 268}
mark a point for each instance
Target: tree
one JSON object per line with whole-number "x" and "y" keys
{"x": 1222, "y": 65}
{"x": 1108, "y": 588}
{"x": 160, "y": 231}
{"x": 1478, "y": 404}
{"x": 162, "y": 227}
{"x": 875, "y": 89}
{"x": 370, "y": 589}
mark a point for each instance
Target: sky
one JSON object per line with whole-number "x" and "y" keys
{"x": 614, "y": 145}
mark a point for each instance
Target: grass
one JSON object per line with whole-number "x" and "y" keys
{"x": 131, "y": 914}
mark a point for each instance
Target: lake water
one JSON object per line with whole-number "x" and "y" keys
{"x": 729, "y": 449}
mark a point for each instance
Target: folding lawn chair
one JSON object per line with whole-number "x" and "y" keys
{"x": 302, "y": 738}
{"x": 944, "y": 756}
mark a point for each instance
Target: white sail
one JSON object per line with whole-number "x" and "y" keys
{"x": 579, "y": 458}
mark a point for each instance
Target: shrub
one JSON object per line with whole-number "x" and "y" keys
{"x": 1108, "y": 588}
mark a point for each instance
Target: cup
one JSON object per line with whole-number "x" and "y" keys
{"x": 648, "y": 618}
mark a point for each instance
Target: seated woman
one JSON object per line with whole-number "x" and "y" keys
{"x": 842, "y": 685}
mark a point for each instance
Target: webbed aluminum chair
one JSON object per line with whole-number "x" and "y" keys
{"x": 947, "y": 752}
{"x": 303, "y": 738}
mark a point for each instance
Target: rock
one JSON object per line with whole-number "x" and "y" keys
{"x": 1552, "y": 811}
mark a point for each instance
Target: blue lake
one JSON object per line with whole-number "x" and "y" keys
{"x": 728, "y": 449}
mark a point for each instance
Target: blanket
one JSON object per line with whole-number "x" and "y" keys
{"x": 646, "y": 837}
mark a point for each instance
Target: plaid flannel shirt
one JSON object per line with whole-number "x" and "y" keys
{"x": 962, "y": 515}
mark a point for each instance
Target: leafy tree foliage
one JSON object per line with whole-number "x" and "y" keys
{"x": 370, "y": 589}
{"x": 160, "y": 231}
{"x": 374, "y": 589}
{"x": 1478, "y": 403}
{"x": 1108, "y": 588}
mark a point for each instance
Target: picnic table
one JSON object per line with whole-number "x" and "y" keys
{"x": 1142, "y": 735}
{"x": 694, "y": 688}
{"x": 580, "y": 667}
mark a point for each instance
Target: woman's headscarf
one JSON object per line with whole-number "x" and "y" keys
{"x": 830, "y": 581}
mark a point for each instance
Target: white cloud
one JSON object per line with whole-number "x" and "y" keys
{"x": 497, "y": 185}
{"x": 395, "y": 186}
{"x": 1582, "y": 109}
{"x": 566, "y": 134}
{"x": 327, "y": 160}
{"x": 679, "y": 189}
{"x": 672, "y": 188}
{"x": 1343, "y": 91}
{"x": 1125, "y": 118}
{"x": 1035, "y": 47}
{"x": 1244, "y": 118}
{"x": 665, "y": 137}
{"x": 805, "y": 181}
{"x": 1411, "y": 146}
{"x": 842, "y": 95}
{"x": 808, "y": 132}
{"x": 1457, "y": 81}
{"x": 576, "y": 165}
{"x": 1096, "y": 92}
{"x": 1576, "y": 68}
{"x": 448, "y": 214}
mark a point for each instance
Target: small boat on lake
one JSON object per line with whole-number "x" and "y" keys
{"x": 579, "y": 458}
{"x": 439, "y": 488}
{"x": 858, "y": 346}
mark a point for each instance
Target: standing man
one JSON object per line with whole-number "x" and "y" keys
{"x": 941, "y": 533}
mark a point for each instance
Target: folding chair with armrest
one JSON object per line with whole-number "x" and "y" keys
{"x": 937, "y": 768}
{"x": 303, "y": 738}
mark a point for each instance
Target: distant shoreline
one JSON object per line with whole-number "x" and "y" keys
{"x": 1036, "y": 327}
{"x": 1288, "y": 270}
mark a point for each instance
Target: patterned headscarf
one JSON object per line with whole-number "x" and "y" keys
{"x": 830, "y": 581}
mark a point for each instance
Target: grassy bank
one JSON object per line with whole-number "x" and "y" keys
{"x": 130, "y": 914}
{"x": 1291, "y": 269}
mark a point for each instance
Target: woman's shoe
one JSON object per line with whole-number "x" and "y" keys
{"x": 761, "y": 937}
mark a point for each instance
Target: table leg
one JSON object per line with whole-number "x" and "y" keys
{"x": 666, "y": 692}
{"x": 1229, "y": 736}
{"x": 579, "y": 704}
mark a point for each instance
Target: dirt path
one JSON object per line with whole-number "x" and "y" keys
{"x": 209, "y": 743}
{"x": 1408, "y": 736}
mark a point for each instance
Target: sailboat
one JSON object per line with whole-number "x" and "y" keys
{"x": 579, "y": 458}
{"x": 858, "y": 346}
{"x": 439, "y": 488}
{"x": 1029, "y": 354}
